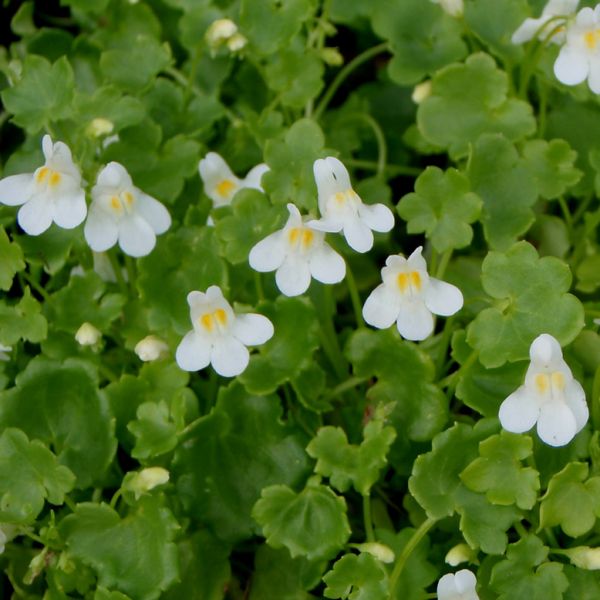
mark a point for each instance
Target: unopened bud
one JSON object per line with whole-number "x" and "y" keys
{"x": 584, "y": 557}
{"x": 459, "y": 554}
{"x": 146, "y": 480}
{"x": 236, "y": 42}
{"x": 99, "y": 127}
{"x": 421, "y": 92}
{"x": 150, "y": 348}
{"x": 380, "y": 551}
{"x": 332, "y": 57}
{"x": 455, "y": 8}
{"x": 88, "y": 335}
{"x": 220, "y": 31}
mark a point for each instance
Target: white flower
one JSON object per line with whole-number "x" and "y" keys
{"x": 459, "y": 554}
{"x": 99, "y": 127}
{"x": 220, "y": 184}
{"x": 145, "y": 480}
{"x": 579, "y": 58}
{"x": 409, "y": 296}
{"x": 457, "y": 586}
{"x": 52, "y": 193}
{"x": 421, "y": 92}
{"x": 554, "y": 8}
{"x": 88, "y": 335}
{"x": 220, "y": 31}
{"x": 584, "y": 557}
{"x": 454, "y": 8}
{"x": 121, "y": 212}
{"x": 343, "y": 210}
{"x": 150, "y": 348}
{"x": 549, "y": 397}
{"x": 236, "y": 42}
{"x": 4, "y": 350}
{"x": 297, "y": 252}
{"x": 220, "y": 336}
{"x": 380, "y": 551}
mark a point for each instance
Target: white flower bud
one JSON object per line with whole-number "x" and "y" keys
{"x": 585, "y": 557}
{"x": 88, "y": 335}
{"x": 236, "y": 42}
{"x": 459, "y": 554}
{"x": 380, "y": 551}
{"x": 220, "y": 31}
{"x": 455, "y": 8}
{"x": 421, "y": 92}
{"x": 150, "y": 348}
{"x": 332, "y": 57}
{"x": 99, "y": 127}
{"x": 146, "y": 480}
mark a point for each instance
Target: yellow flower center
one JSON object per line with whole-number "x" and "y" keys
{"x": 554, "y": 382}
{"x": 225, "y": 188}
{"x": 211, "y": 320}
{"x": 302, "y": 236}
{"x": 591, "y": 39}
{"x": 122, "y": 202}
{"x": 47, "y": 175}
{"x": 410, "y": 281}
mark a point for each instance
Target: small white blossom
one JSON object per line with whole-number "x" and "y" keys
{"x": 220, "y": 31}
{"x": 343, "y": 210}
{"x": 220, "y": 336}
{"x": 52, "y": 193}
{"x": 4, "y": 350}
{"x": 457, "y": 586}
{"x": 122, "y": 213}
{"x": 550, "y": 397}
{"x": 150, "y": 348}
{"x": 88, "y": 335}
{"x": 236, "y": 42}
{"x": 584, "y": 557}
{"x": 459, "y": 554}
{"x": 380, "y": 551}
{"x": 220, "y": 184}
{"x": 297, "y": 252}
{"x": 455, "y": 8}
{"x": 421, "y": 92}
{"x": 409, "y": 296}
{"x": 147, "y": 479}
{"x": 579, "y": 58}
{"x": 554, "y": 8}
{"x": 99, "y": 127}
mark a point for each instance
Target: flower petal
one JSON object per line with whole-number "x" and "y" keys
{"x": 381, "y": 308}
{"x": 16, "y": 189}
{"x": 442, "y": 298}
{"x": 70, "y": 210}
{"x": 252, "y": 329}
{"x": 465, "y": 581}
{"x": 35, "y": 216}
{"x": 519, "y": 412}
{"x": 153, "y": 212}
{"x": 377, "y": 217}
{"x": 416, "y": 262}
{"x": 268, "y": 254}
{"x": 546, "y": 351}
{"x": 446, "y": 587}
{"x": 326, "y": 265}
{"x": 575, "y": 399}
{"x": 254, "y": 177}
{"x": 526, "y": 31}
{"x": 358, "y": 235}
{"x": 556, "y": 424}
{"x": 330, "y": 179}
{"x": 136, "y": 237}
{"x": 326, "y": 225}
{"x": 571, "y": 67}
{"x": 415, "y": 321}
{"x": 100, "y": 231}
{"x": 229, "y": 357}
{"x": 113, "y": 175}
{"x": 293, "y": 276}
{"x": 193, "y": 352}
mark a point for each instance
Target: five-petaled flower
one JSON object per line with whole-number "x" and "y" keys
{"x": 550, "y": 397}
{"x": 554, "y": 8}
{"x": 297, "y": 252}
{"x": 579, "y": 58}
{"x": 409, "y": 296}
{"x": 52, "y": 193}
{"x": 122, "y": 213}
{"x": 220, "y": 184}
{"x": 343, "y": 210}
{"x": 220, "y": 336}
{"x": 457, "y": 586}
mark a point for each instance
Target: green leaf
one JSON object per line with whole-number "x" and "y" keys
{"x": 239, "y": 449}
{"x": 51, "y": 249}
{"x": 583, "y": 585}
{"x": 552, "y": 166}
{"x": 355, "y": 577}
{"x": 442, "y": 207}
{"x": 312, "y": 523}
{"x": 252, "y": 218}
{"x": 422, "y": 38}
{"x": 270, "y": 24}
{"x": 588, "y": 274}
{"x": 404, "y": 376}
{"x": 154, "y": 431}
{"x": 11, "y": 260}
{"x": 572, "y": 501}
{"x": 42, "y": 95}
{"x": 173, "y": 270}
{"x": 22, "y": 321}
{"x": 518, "y": 279}
{"x": 288, "y": 351}
{"x": 59, "y": 404}
{"x": 468, "y": 100}
{"x": 435, "y": 476}
{"x": 134, "y": 554}
{"x": 499, "y": 474}
{"x": 29, "y": 475}
{"x": 348, "y": 464}
{"x": 507, "y": 187}
{"x": 525, "y": 574}
{"x": 291, "y": 160}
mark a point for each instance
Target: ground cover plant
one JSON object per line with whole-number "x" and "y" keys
{"x": 300, "y": 300}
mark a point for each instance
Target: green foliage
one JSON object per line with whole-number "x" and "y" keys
{"x": 11, "y": 260}
{"x": 22, "y": 321}
{"x": 355, "y": 577}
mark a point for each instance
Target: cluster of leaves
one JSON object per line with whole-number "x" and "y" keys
{"x": 344, "y": 462}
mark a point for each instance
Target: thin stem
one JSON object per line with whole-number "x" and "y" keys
{"x": 379, "y": 138}
{"x": 70, "y": 504}
{"x": 131, "y": 272}
{"x": 582, "y": 208}
{"x": 35, "y": 285}
{"x": 32, "y": 536}
{"x": 114, "y": 263}
{"x": 367, "y": 519}
{"x": 335, "y": 357}
{"x": 389, "y": 168}
{"x": 356, "y": 62}
{"x": 443, "y": 264}
{"x": 260, "y": 294}
{"x": 348, "y": 384}
{"x": 189, "y": 430}
{"x": 450, "y": 381}
{"x": 543, "y": 105}
{"x": 566, "y": 212}
{"x": 520, "y": 529}
{"x": 417, "y": 536}
{"x": 354, "y": 297}
{"x": 115, "y": 498}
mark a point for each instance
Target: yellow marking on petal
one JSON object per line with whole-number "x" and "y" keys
{"x": 207, "y": 321}
{"x": 293, "y": 235}
{"x": 225, "y": 187}
{"x": 42, "y": 174}
{"x": 116, "y": 204}
{"x": 128, "y": 198}
{"x": 591, "y": 39}
{"x": 307, "y": 238}
{"x": 403, "y": 281}
{"x": 558, "y": 380}
{"x": 415, "y": 279}
{"x": 340, "y": 197}
{"x": 54, "y": 178}
{"x": 542, "y": 383}
{"x": 221, "y": 316}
